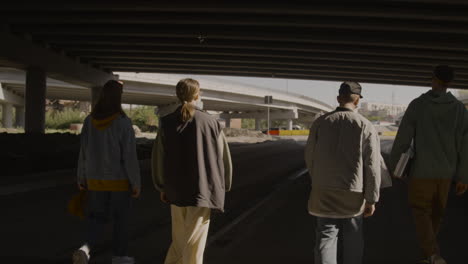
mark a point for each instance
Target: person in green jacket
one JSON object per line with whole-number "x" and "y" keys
{"x": 437, "y": 124}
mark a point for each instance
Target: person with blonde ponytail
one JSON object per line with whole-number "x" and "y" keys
{"x": 188, "y": 90}
{"x": 109, "y": 172}
{"x": 192, "y": 168}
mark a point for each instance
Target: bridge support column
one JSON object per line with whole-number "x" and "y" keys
{"x": 258, "y": 123}
{"x": 290, "y": 124}
{"x": 7, "y": 115}
{"x": 19, "y": 122}
{"x": 228, "y": 122}
{"x": 35, "y": 96}
{"x": 95, "y": 92}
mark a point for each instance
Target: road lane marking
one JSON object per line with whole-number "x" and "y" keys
{"x": 213, "y": 238}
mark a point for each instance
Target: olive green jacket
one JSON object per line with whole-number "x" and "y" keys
{"x": 438, "y": 123}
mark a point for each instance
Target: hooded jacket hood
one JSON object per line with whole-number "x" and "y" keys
{"x": 444, "y": 98}
{"x": 101, "y": 124}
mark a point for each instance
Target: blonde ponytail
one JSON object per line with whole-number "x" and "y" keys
{"x": 187, "y": 90}
{"x": 187, "y": 111}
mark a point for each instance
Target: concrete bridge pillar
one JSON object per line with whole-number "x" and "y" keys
{"x": 258, "y": 123}
{"x": 7, "y": 115}
{"x": 19, "y": 122}
{"x": 35, "y": 96}
{"x": 95, "y": 92}
{"x": 228, "y": 122}
{"x": 290, "y": 124}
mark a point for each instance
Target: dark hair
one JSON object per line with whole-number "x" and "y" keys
{"x": 444, "y": 73}
{"x": 110, "y": 100}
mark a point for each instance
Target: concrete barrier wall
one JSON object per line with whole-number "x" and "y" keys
{"x": 306, "y": 133}
{"x": 389, "y": 133}
{"x": 294, "y": 132}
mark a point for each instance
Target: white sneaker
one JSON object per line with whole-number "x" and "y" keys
{"x": 123, "y": 260}
{"x": 436, "y": 259}
{"x": 80, "y": 257}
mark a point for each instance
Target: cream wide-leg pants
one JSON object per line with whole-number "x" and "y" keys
{"x": 189, "y": 233}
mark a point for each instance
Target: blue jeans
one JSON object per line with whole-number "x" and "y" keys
{"x": 103, "y": 206}
{"x": 326, "y": 244}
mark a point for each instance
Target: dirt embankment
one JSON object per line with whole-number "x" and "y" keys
{"x": 245, "y": 136}
{"x": 26, "y": 154}
{"x": 233, "y": 135}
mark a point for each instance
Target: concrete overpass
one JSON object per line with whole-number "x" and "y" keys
{"x": 463, "y": 96}
{"x": 233, "y": 100}
{"x": 392, "y": 42}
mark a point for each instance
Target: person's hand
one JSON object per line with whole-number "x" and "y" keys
{"x": 461, "y": 188}
{"x": 369, "y": 210}
{"x": 136, "y": 192}
{"x": 81, "y": 187}
{"x": 164, "y": 198}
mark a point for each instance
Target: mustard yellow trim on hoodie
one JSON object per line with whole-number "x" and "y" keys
{"x": 108, "y": 185}
{"x": 101, "y": 124}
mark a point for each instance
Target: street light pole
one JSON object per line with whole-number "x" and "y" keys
{"x": 268, "y": 101}
{"x": 268, "y": 120}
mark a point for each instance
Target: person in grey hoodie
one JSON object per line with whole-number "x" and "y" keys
{"x": 343, "y": 158}
{"x": 437, "y": 124}
{"x": 108, "y": 170}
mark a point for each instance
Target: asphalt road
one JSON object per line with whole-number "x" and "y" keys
{"x": 36, "y": 228}
{"x": 283, "y": 232}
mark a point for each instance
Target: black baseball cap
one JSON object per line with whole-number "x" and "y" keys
{"x": 350, "y": 88}
{"x": 444, "y": 73}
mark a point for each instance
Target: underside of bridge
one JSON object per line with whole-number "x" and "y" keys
{"x": 388, "y": 42}
{"x": 393, "y": 42}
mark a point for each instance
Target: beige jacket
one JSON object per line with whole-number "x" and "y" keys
{"x": 343, "y": 158}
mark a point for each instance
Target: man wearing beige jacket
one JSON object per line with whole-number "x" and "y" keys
{"x": 343, "y": 158}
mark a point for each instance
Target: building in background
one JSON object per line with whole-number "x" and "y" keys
{"x": 387, "y": 109}
{"x": 377, "y": 112}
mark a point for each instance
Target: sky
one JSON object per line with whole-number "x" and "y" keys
{"x": 326, "y": 91}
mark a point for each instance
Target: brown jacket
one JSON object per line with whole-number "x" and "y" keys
{"x": 191, "y": 161}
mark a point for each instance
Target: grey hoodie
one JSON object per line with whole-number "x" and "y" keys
{"x": 439, "y": 125}
{"x": 108, "y": 158}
